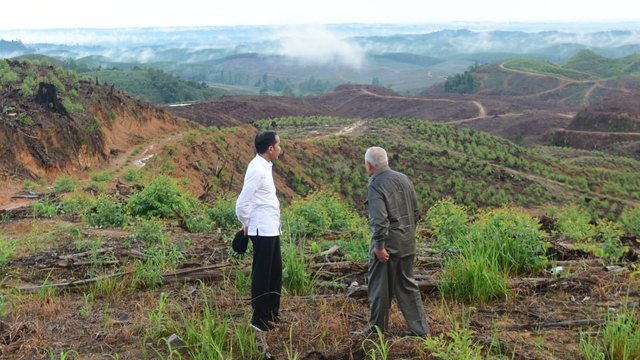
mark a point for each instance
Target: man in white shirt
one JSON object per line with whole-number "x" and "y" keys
{"x": 258, "y": 209}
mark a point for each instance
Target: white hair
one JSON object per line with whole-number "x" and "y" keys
{"x": 376, "y": 156}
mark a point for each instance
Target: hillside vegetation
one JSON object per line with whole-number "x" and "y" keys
{"x": 144, "y": 251}
{"x": 155, "y": 86}
{"x": 473, "y": 168}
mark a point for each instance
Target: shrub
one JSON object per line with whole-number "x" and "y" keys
{"x": 318, "y": 214}
{"x": 630, "y": 220}
{"x": 64, "y": 185}
{"x": 70, "y": 106}
{"x": 198, "y": 222}
{"x": 609, "y": 234}
{"x": 457, "y": 344}
{"x": 102, "y": 176}
{"x": 306, "y": 219}
{"x": 44, "y": 208}
{"x": 500, "y": 243}
{"x": 133, "y": 175}
{"x": 77, "y": 204}
{"x": 340, "y": 215}
{"x": 512, "y": 237}
{"x": 7, "y": 250}
{"x": 29, "y": 185}
{"x": 223, "y": 213}
{"x": 574, "y": 224}
{"x": 447, "y": 220}
{"x": 95, "y": 187}
{"x": 25, "y": 120}
{"x": 161, "y": 198}
{"x": 149, "y": 231}
{"x": 106, "y": 213}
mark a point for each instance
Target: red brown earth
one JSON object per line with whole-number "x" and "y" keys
{"x": 60, "y": 143}
{"x": 236, "y": 110}
{"x": 509, "y": 117}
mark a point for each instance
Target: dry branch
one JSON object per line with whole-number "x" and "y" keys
{"x": 82, "y": 254}
{"x": 66, "y": 264}
{"x": 558, "y": 324}
{"x": 28, "y": 195}
{"x": 331, "y": 251}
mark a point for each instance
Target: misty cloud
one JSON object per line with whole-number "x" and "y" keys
{"x": 317, "y": 45}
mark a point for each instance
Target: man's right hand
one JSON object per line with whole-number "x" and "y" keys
{"x": 382, "y": 255}
{"x": 245, "y": 230}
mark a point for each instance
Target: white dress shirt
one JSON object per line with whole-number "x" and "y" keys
{"x": 258, "y": 207}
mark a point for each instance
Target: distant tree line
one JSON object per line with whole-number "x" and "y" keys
{"x": 284, "y": 87}
{"x": 12, "y": 46}
{"x": 156, "y": 85}
{"x": 465, "y": 83}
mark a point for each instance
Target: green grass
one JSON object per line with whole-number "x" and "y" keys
{"x": 617, "y": 339}
{"x": 64, "y": 185}
{"x": 7, "y": 251}
{"x": 102, "y": 176}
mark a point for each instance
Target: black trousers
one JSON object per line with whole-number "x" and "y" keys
{"x": 266, "y": 280}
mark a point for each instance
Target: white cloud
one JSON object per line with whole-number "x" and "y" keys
{"x": 317, "y": 45}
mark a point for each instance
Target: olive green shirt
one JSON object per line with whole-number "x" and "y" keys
{"x": 393, "y": 212}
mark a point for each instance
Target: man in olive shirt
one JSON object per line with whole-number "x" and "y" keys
{"x": 393, "y": 212}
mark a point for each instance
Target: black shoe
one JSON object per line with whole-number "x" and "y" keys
{"x": 262, "y": 325}
{"x": 412, "y": 334}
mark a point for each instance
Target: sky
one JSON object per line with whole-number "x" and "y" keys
{"x": 60, "y": 14}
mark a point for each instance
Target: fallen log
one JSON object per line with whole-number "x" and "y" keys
{"x": 340, "y": 266}
{"x": 30, "y": 195}
{"x": 425, "y": 286}
{"x": 82, "y": 254}
{"x": 558, "y": 324}
{"x": 579, "y": 262}
{"x": 16, "y": 211}
{"x": 331, "y": 251}
{"x": 428, "y": 286}
{"x": 67, "y": 264}
{"x": 71, "y": 284}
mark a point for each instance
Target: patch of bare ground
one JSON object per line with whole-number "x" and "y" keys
{"x": 236, "y": 110}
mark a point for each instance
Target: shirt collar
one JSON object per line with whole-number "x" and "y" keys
{"x": 378, "y": 172}
{"x": 264, "y": 162}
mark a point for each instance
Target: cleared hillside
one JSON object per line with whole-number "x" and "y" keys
{"x": 617, "y": 114}
{"x": 55, "y": 122}
{"x": 236, "y": 110}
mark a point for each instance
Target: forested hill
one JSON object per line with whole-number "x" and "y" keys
{"x": 156, "y": 86}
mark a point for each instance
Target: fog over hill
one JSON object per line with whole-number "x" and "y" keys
{"x": 406, "y": 57}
